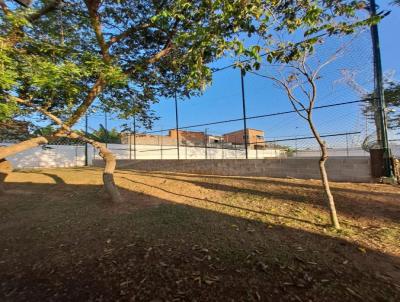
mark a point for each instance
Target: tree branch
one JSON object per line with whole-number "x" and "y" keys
{"x": 5, "y": 8}
{"x": 37, "y": 108}
{"x": 83, "y": 107}
{"x": 52, "y": 5}
{"x": 92, "y": 6}
{"x": 126, "y": 33}
{"x": 155, "y": 58}
{"x": 293, "y": 100}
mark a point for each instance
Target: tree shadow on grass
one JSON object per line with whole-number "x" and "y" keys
{"x": 230, "y": 188}
{"x": 279, "y": 182}
{"x": 80, "y": 249}
{"x": 354, "y": 203}
{"x": 57, "y": 179}
{"x": 206, "y": 200}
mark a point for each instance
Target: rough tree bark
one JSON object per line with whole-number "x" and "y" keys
{"x": 5, "y": 169}
{"x": 109, "y": 168}
{"x": 5, "y": 166}
{"x": 66, "y": 131}
{"x": 304, "y": 79}
{"x": 324, "y": 174}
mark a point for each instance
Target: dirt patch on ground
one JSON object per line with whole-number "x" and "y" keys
{"x": 182, "y": 237}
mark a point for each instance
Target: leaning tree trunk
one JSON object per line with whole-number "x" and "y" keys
{"x": 324, "y": 176}
{"x": 109, "y": 168}
{"x": 5, "y": 166}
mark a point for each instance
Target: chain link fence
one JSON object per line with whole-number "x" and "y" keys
{"x": 212, "y": 126}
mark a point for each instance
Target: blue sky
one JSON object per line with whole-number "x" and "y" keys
{"x": 222, "y": 100}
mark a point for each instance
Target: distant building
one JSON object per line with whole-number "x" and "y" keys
{"x": 215, "y": 139}
{"x": 188, "y": 137}
{"x": 185, "y": 137}
{"x": 255, "y": 138}
{"x": 147, "y": 139}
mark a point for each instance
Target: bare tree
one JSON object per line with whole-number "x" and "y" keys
{"x": 299, "y": 81}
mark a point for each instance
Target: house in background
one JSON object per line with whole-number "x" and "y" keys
{"x": 255, "y": 138}
{"x": 198, "y": 138}
{"x": 185, "y": 137}
{"x": 188, "y": 137}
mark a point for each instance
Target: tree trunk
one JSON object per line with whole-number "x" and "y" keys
{"x": 108, "y": 176}
{"x": 5, "y": 169}
{"x": 22, "y": 146}
{"x": 5, "y": 165}
{"x": 109, "y": 168}
{"x": 324, "y": 175}
{"x": 325, "y": 183}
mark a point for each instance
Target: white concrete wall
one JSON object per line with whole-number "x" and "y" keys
{"x": 170, "y": 152}
{"x": 74, "y": 156}
{"x": 50, "y": 157}
{"x": 395, "y": 150}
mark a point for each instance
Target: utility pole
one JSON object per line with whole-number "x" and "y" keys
{"x": 177, "y": 124}
{"x": 86, "y": 144}
{"x": 244, "y": 114}
{"x": 380, "y": 115}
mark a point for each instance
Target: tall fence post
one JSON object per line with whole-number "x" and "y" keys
{"x": 235, "y": 148}
{"x": 86, "y": 144}
{"x": 106, "y": 127}
{"x": 256, "y": 147}
{"x": 347, "y": 145}
{"x": 205, "y": 143}
{"x": 158, "y": 142}
{"x": 244, "y": 113}
{"x": 130, "y": 145}
{"x": 177, "y": 125}
{"x": 379, "y": 94}
{"x": 76, "y": 155}
{"x": 134, "y": 137}
{"x": 161, "y": 145}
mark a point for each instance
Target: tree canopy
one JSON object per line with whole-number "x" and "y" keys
{"x": 62, "y": 56}
{"x": 104, "y": 135}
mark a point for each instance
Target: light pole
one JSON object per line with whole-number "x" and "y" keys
{"x": 244, "y": 113}
{"x": 177, "y": 123}
{"x": 205, "y": 143}
{"x": 381, "y": 130}
{"x": 130, "y": 144}
{"x": 86, "y": 144}
{"x": 105, "y": 127}
{"x": 134, "y": 137}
